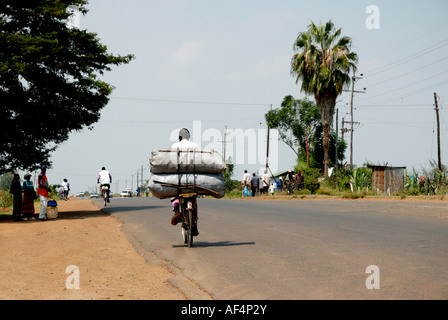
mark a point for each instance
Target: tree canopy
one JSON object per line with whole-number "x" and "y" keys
{"x": 297, "y": 118}
{"x": 49, "y": 79}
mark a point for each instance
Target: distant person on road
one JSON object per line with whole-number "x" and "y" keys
{"x": 246, "y": 183}
{"x": 65, "y": 189}
{"x": 16, "y": 191}
{"x": 43, "y": 190}
{"x": 279, "y": 185}
{"x": 29, "y": 194}
{"x": 254, "y": 185}
{"x": 104, "y": 179}
{"x": 299, "y": 180}
{"x": 266, "y": 181}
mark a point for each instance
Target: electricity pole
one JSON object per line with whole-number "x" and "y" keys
{"x": 224, "y": 144}
{"x": 267, "y": 149}
{"x": 438, "y": 133}
{"x": 336, "y": 143}
{"x": 354, "y": 78}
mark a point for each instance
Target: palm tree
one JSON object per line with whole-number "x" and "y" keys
{"x": 322, "y": 63}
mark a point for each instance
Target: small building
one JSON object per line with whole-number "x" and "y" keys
{"x": 387, "y": 180}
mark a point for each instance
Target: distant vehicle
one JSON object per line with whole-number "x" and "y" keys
{"x": 94, "y": 195}
{"x": 80, "y": 194}
{"x": 125, "y": 193}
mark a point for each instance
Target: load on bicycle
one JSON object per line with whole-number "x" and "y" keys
{"x": 182, "y": 173}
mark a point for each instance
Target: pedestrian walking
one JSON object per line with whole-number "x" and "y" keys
{"x": 65, "y": 189}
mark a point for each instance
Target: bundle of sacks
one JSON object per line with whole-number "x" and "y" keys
{"x": 176, "y": 171}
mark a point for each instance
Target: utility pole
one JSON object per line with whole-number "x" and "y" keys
{"x": 137, "y": 174}
{"x": 224, "y": 145}
{"x": 336, "y": 143}
{"x": 267, "y": 149}
{"x": 438, "y": 132}
{"x": 343, "y": 129}
{"x": 354, "y": 78}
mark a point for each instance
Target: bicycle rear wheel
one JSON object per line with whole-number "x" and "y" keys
{"x": 190, "y": 228}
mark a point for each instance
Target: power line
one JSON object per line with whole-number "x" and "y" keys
{"x": 413, "y": 40}
{"x": 410, "y": 84}
{"x": 409, "y": 58}
{"x": 193, "y": 102}
{"x": 411, "y": 93}
{"x": 404, "y": 74}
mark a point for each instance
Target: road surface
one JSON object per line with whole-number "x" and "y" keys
{"x": 299, "y": 249}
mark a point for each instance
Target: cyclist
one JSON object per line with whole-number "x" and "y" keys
{"x": 184, "y": 143}
{"x": 104, "y": 179}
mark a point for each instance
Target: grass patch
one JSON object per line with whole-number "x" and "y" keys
{"x": 354, "y": 195}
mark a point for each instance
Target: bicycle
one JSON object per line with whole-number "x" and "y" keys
{"x": 187, "y": 215}
{"x": 104, "y": 193}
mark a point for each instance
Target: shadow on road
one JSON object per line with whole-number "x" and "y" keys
{"x": 113, "y": 209}
{"x": 205, "y": 244}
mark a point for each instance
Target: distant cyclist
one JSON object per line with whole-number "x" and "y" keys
{"x": 104, "y": 179}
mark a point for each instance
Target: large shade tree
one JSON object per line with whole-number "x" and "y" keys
{"x": 299, "y": 127}
{"x": 322, "y": 63}
{"x": 49, "y": 79}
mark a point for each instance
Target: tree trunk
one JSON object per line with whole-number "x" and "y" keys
{"x": 326, "y": 106}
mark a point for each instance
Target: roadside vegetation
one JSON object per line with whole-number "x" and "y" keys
{"x": 356, "y": 183}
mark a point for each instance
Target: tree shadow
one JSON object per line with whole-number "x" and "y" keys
{"x": 205, "y": 244}
{"x": 112, "y": 209}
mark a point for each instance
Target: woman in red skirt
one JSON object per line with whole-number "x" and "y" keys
{"x": 28, "y": 198}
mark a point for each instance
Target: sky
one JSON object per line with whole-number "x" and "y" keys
{"x": 216, "y": 67}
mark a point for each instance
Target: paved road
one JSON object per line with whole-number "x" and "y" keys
{"x": 301, "y": 249}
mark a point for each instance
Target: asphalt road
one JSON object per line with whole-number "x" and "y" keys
{"x": 299, "y": 249}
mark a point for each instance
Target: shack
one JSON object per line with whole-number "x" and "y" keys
{"x": 387, "y": 180}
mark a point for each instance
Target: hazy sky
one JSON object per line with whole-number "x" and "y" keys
{"x": 207, "y": 65}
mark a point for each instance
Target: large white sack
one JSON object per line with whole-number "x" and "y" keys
{"x": 184, "y": 161}
{"x": 167, "y": 185}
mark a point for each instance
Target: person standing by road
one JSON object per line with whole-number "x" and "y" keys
{"x": 29, "y": 194}
{"x": 266, "y": 181}
{"x": 299, "y": 180}
{"x": 246, "y": 183}
{"x": 42, "y": 191}
{"x": 254, "y": 185}
{"x": 16, "y": 191}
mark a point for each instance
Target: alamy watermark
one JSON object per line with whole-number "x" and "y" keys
{"x": 373, "y": 20}
{"x": 243, "y": 147}
{"x": 73, "y": 280}
{"x": 373, "y": 280}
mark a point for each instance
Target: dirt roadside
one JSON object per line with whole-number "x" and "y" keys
{"x": 35, "y": 256}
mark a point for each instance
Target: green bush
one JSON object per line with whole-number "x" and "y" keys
{"x": 311, "y": 176}
{"x": 6, "y": 199}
